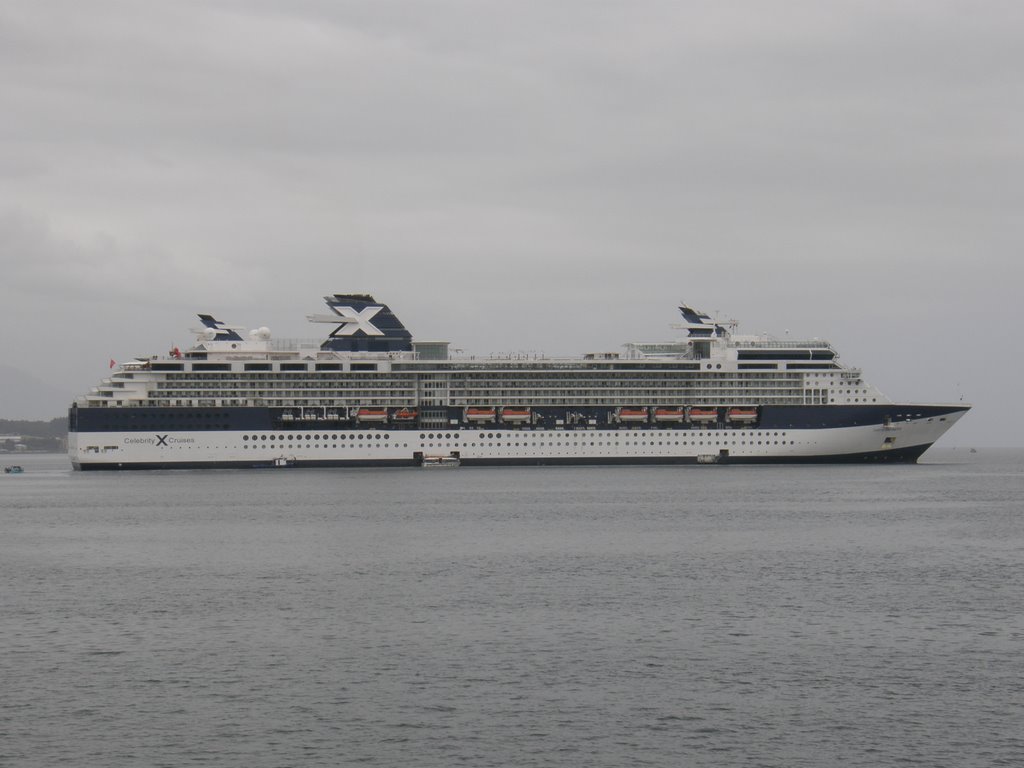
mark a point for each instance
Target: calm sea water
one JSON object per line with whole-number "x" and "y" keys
{"x": 663, "y": 616}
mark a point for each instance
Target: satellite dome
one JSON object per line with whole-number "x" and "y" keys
{"x": 260, "y": 334}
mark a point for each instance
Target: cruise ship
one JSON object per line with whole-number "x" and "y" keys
{"x": 370, "y": 395}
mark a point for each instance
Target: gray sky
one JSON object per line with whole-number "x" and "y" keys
{"x": 550, "y": 176}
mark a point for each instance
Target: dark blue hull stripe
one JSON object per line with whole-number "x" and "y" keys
{"x": 895, "y": 456}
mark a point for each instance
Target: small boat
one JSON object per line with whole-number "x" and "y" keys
{"x": 440, "y": 462}
{"x": 633, "y": 414}
{"x": 13, "y": 469}
{"x": 372, "y": 414}
{"x": 742, "y": 414}
{"x": 669, "y": 414}
{"x": 703, "y": 415}
{"x": 481, "y": 415}
{"x": 515, "y": 415}
{"x": 283, "y": 462}
{"x": 405, "y": 415}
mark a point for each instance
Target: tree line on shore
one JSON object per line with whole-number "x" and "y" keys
{"x": 34, "y": 435}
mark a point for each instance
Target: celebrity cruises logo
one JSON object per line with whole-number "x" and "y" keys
{"x": 354, "y": 321}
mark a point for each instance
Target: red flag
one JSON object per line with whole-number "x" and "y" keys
{"x": 113, "y": 363}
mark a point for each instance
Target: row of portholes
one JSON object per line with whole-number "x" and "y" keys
{"x": 559, "y": 444}
{"x": 310, "y": 445}
{"x": 314, "y": 437}
{"x": 556, "y": 436}
{"x": 489, "y": 435}
{"x": 627, "y": 444}
{"x": 556, "y": 444}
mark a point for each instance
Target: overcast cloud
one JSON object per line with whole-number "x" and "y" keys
{"x": 548, "y": 176}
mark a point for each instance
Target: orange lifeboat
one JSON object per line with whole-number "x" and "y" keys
{"x": 372, "y": 414}
{"x": 742, "y": 414}
{"x": 515, "y": 415}
{"x": 406, "y": 415}
{"x": 633, "y": 415}
{"x": 481, "y": 415}
{"x": 703, "y": 415}
{"x": 669, "y": 414}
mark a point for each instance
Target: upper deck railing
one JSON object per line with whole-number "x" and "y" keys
{"x": 780, "y": 344}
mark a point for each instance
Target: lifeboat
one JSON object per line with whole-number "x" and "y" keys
{"x": 632, "y": 414}
{"x": 481, "y": 415}
{"x": 703, "y": 415}
{"x": 742, "y": 414}
{"x": 406, "y": 415}
{"x": 372, "y": 414}
{"x": 669, "y": 414}
{"x": 515, "y": 415}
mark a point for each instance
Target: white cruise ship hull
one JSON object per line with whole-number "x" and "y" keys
{"x": 902, "y": 441}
